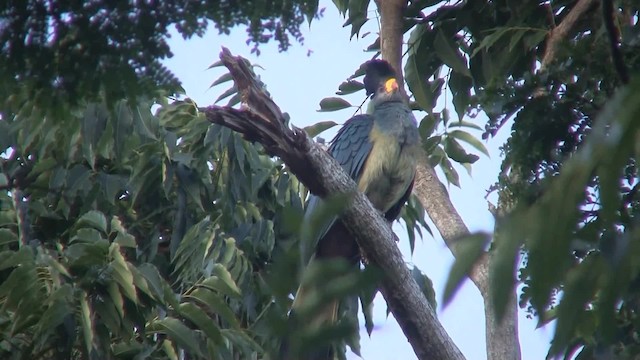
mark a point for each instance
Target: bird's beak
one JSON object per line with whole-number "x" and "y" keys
{"x": 390, "y": 85}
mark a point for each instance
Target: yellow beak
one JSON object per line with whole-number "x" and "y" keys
{"x": 390, "y": 85}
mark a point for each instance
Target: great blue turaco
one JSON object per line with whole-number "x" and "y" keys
{"x": 379, "y": 151}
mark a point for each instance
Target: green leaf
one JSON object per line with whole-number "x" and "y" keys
{"x": 94, "y": 219}
{"x": 87, "y": 322}
{"x": 157, "y": 284}
{"x": 116, "y": 297}
{"x": 349, "y": 87}
{"x": 488, "y": 41}
{"x": 414, "y": 75}
{"x": 469, "y": 139}
{"x": 426, "y": 285}
{"x": 431, "y": 143}
{"x": 7, "y": 237}
{"x": 203, "y": 321}
{"x": 8, "y": 259}
{"x": 87, "y": 235}
{"x": 169, "y": 349}
{"x": 178, "y": 332}
{"x": 222, "y": 79}
{"x": 503, "y": 265}
{"x": 580, "y": 287}
{"x": 317, "y": 128}
{"x": 534, "y": 39}
{"x": 428, "y": 125}
{"x": 357, "y": 15}
{"x": 461, "y": 89}
{"x": 230, "y": 91}
{"x": 224, "y": 282}
{"x": 469, "y": 250}
{"x": 121, "y": 273}
{"x": 463, "y": 123}
{"x": 59, "y": 308}
{"x": 215, "y": 303}
{"x": 456, "y": 152}
{"x": 244, "y": 342}
{"x": 341, "y": 5}
{"x": 449, "y": 172}
{"x": 218, "y": 63}
{"x": 333, "y": 104}
{"x": 447, "y": 50}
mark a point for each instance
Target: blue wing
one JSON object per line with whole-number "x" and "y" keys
{"x": 350, "y": 148}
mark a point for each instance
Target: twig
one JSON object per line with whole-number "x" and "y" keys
{"x": 613, "y": 35}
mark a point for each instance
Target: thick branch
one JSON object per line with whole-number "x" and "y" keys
{"x": 561, "y": 31}
{"x": 262, "y": 121}
{"x": 391, "y": 31}
{"x": 435, "y": 200}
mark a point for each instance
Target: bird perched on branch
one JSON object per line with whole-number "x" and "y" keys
{"x": 379, "y": 151}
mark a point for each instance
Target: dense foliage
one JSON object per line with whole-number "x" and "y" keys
{"x": 124, "y": 232}
{"x": 569, "y": 179}
{"x": 119, "y": 239}
{"x": 64, "y": 50}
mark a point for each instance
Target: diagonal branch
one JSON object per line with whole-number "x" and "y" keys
{"x": 561, "y": 32}
{"x": 260, "y": 120}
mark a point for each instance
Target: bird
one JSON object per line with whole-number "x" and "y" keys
{"x": 379, "y": 150}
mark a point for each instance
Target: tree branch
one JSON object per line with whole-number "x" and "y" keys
{"x": 608, "y": 14}
{"x": 260, "y": 120}
{"x": 561, "y": 31}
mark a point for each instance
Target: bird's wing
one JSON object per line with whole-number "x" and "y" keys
{"x": 350, "y": 148}
{"x": 393, "y": 213}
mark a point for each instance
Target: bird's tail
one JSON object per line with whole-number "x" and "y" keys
{"x": 327, "y": 314}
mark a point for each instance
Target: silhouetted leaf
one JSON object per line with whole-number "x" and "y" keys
{"x": 317, "y": 128}
{"x": 447, "y": 51}
{"x": 469, "y": 139}
{"x": 469, "y": 250}
{"x": 333, "y": 104}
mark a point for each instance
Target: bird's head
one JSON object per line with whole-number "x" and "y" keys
{"x": 380, "y": 80}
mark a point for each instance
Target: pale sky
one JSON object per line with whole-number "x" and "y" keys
{"x": 298, "y": 82}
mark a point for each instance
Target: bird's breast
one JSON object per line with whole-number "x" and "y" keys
{"x": 389, "y": 169}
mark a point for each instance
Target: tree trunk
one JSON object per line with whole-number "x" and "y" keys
{"x": 501, "y": 338}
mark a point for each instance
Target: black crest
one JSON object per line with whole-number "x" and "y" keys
{"x": 377, "y": 71}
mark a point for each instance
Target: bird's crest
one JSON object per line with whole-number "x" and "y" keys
{"x": 377, "y": 72}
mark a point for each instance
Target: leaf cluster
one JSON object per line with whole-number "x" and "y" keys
{"x": 128, "y": 234}
{"x": 71, "y": 50}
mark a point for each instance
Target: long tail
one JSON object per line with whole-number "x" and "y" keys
{"x": 327, "y": 315}
{"x": 336, "y": 243}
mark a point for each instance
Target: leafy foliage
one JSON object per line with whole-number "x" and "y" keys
{"x": 569, "y": 179}
{"x": 66, "y": 50}
{"x": 123, "y": 232}
{"x": 128, "y": 234}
